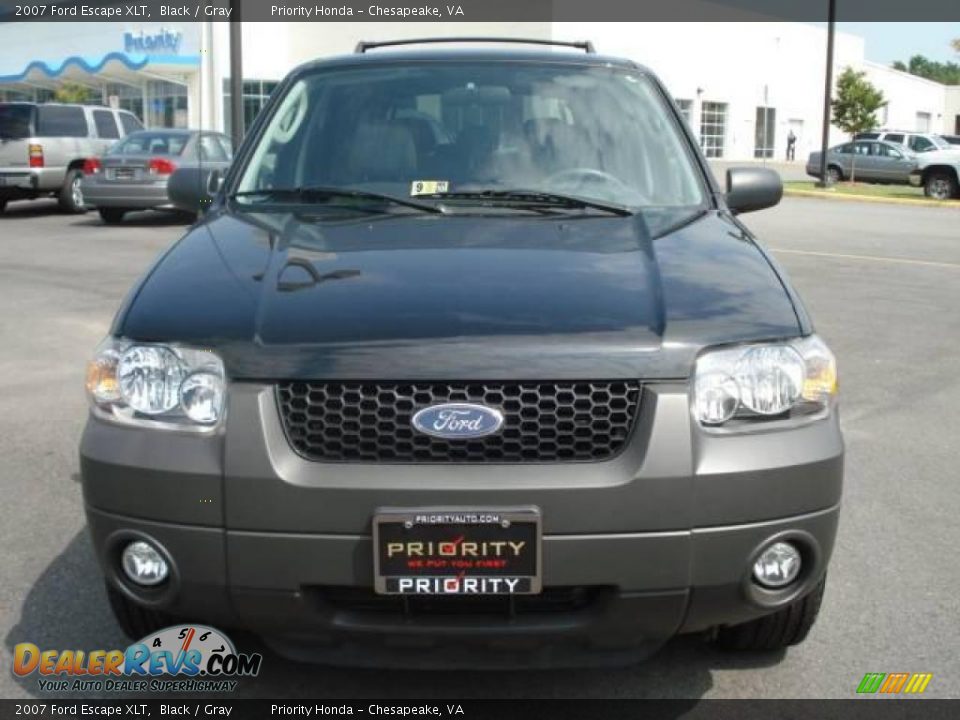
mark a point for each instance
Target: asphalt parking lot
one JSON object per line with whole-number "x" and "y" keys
{"x": 883, "y": 284}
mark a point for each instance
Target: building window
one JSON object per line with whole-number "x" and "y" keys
{"x": 685, "y": 107}
{"x": 765, "y": 134}
{"x": 713, "y": 128}
{"x": 923, "y": 122}
{"x": 255, "y": 96}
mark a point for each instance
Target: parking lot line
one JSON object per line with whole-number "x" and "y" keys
{"x": 875, "y": 258}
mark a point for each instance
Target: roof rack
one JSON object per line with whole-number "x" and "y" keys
{"x": 363, "y": 46}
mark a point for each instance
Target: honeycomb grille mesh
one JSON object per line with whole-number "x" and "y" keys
{"x": 543, "y": 421}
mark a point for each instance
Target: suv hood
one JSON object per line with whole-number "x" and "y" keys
{"x": 284, "y": 295}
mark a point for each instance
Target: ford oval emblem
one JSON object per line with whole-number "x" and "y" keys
{"x": 458, "y": 421}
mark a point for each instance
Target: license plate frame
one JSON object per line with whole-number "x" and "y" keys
{"x": 480, "y": 556}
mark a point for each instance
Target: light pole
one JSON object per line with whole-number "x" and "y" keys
{"x": 827, "y": 92}
{"x": 236, "y": 74}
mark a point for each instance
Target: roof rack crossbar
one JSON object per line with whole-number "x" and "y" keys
{"x": 363, "y": 45}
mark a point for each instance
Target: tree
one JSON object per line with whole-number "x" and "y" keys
{"x": 855, "y": 106}
{"x": 70, "y": 92}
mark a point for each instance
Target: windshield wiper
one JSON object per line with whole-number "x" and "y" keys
{"x": 321, "y": 192}
{"x": 534, "y": 198}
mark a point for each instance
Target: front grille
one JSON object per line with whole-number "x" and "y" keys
{"x": 551, "y": 600}
{"x": 543, "y": 421}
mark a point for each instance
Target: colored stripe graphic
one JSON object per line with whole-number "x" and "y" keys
{"x": 918, "y": 683}
{"x": 870, "y": 683}
{"x": 894, "y": 683}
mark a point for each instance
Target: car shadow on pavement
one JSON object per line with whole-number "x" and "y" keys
{"x": 144, "y": 218}
{"x": 67, "y": 609}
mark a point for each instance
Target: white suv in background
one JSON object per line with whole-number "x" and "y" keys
{"x": 917, "y": 142}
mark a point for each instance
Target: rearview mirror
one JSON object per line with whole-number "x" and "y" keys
{"x": 752, "y": 188}
{"x": 192, "y": 188}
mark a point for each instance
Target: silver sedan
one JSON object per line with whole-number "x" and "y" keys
{"x": 133, "y": 174}
{"x": 866, "y": 160}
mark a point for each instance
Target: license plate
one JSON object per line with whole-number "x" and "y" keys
{"x": 444, "y": 551}
{"x": 124, "y": 174}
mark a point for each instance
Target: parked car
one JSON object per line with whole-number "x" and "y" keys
{"x": 916, "y": 142}
{"x": 533, "y": 395}
{"x": 938, "y": 173}
{"x": 43, "y": 148}
{"x": 133, "y": 174}
{"x": 873, "y": 161}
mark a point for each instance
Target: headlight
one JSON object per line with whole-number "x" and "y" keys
{"x": 165, "y": 386}
{"x": 746, "y": 385}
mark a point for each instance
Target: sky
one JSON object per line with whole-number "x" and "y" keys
{"x": 888, "y": 41}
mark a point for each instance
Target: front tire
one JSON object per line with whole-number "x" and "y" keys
{"x": 135, "y": 620}
{"x": 940, "y": 186}
{"x": 71, "y": 196}
{"x": 788, "y": 626}
{"x": 111, "y": 216}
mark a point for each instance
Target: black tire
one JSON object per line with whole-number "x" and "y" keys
{"x": 834, "y": 174}
{"x": 940, "y": 185}
{"x": 70, "y": 197}
{"x": 780, "y": 630}
{"x": 135, "y": 620}
{"x": 3, "y": 205}
{"x": 112, "y": 216}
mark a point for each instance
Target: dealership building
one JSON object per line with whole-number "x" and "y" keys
{"x": 742, "y": 86}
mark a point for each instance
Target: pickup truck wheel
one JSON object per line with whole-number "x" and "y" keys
{"x": 788, "y": 626}
{"x": 940, "y": 186}
{"x": 111, "y": 216}
{"x": 136, "y": 621}
{"x": 71, "y": 196}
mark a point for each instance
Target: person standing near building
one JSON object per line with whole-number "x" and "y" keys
{"x": 791, "y": 145}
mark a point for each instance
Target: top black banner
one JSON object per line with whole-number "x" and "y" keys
{"x": 475, "y": 10}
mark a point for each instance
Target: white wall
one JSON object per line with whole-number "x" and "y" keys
{"x": 951, "y": 111}
{"x": 906, "y": 96}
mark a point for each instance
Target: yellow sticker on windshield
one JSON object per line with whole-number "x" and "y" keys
{"x": 428, "y": 187}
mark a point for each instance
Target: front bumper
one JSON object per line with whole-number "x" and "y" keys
{"x": 660, "y": 540}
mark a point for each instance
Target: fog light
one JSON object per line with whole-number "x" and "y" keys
{"x": 144, "y": 564}
{"x": 778, "y": 565}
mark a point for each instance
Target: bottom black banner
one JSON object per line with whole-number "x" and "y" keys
{"x": 242, "y": 709}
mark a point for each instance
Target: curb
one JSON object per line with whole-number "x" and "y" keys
{"x": 919, "y": 202}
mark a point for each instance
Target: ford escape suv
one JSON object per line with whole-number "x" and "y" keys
{"x": 469, "y": 362}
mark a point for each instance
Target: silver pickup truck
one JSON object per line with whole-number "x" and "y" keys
{"x": 43, "y": 148}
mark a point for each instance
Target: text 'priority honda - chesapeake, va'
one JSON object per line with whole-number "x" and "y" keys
{"x": 469, "y": 362}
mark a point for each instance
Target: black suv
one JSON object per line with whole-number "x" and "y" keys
{"x": 469, "y": 362}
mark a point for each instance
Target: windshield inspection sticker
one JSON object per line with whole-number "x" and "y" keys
{"x": 428, "y": 187}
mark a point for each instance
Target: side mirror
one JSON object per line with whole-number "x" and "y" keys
{"x": 192, "y": 188}
{"x": 750, "y": 189}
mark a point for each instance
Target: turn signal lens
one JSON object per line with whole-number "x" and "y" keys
{"x": 91, "y": 166}
{"x": 102, "y": 385}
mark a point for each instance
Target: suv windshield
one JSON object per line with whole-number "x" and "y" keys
{"x": 15, "y": 121}
{"x": 468, "y": 134}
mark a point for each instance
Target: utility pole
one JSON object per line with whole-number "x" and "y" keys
{"x": 236, "y": 75}
{"x": 827, "y": 92}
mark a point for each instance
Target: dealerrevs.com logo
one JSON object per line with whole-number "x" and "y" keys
{"x": 181, "y": 658}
